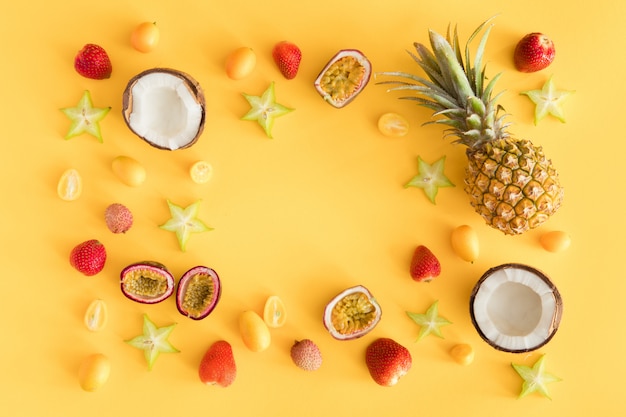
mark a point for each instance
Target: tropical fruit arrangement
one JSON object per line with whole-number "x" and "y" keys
{"x": 509, "y": 181}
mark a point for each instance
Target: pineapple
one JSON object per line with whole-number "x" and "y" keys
{"x": 509, "y": 181}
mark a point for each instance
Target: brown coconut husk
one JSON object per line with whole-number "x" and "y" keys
{"x": 556, "y": 317}
{"x": 194, "y": 88}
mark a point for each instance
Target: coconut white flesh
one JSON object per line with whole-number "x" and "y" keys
{"x": 515, "y": 309}
{"x": 164, "y": 110}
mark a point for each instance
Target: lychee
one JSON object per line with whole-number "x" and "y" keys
{"x": 306, "y": 355}
{"x": 118, "y": 218}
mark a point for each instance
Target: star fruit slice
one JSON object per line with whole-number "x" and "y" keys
{"x": 85, "y": 117}
{"x": 153, "y": 341}
{"x": 265, "y": 109}
{"x": 548, "y": 100}
{"x": 429, "y": 322}
{"x": 184, "y": 222}
{"x": 430, "y": 178}
{"x": 535, "y": 378}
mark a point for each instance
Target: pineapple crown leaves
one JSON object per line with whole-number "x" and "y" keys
{"x": 455, "y": 89}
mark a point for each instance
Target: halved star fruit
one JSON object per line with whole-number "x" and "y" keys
{"x": 264, "y": 109}
{"x": 515, "y": 308}
{"x": 344, "y": 77}
{"x": 70, "y": 185}
{"x": 147, "y": 282}
{"x": 153, "y": 341}
{"x": 85, "y": 117}
{"x": 184, "y": 222}
{"x": 274, "y": 312}
{"x": 199, "y": 291}
{"x": 430, "y": 178}
{"x": 164, "y": 107}
{"x": 352, "y": 313}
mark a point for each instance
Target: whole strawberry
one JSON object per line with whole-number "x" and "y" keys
{"x": 88, "y": 257}
{"x": 287, "y": 56}
{"x": 387, "y": 361}
{"x": 533, "y": 52}
{"x": 424, "y": 266}
{"x": 118, "y": 218}
{"x": 218, "y": 365}
{"x": 306, "y": 355}
{"x": 93, "y": 62}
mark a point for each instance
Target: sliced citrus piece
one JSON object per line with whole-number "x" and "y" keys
{"x": 393, "y": 125}
{"x": 274, "y": 313}
{"x": 201, "y": 172}
{"x": 96, "y": 315}
{"x": 70, "y": 185}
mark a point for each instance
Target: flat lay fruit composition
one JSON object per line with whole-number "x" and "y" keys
{"x": 511, "y": 184}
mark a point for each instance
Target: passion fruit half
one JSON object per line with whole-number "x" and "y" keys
{"x": 199, "y": 291}
{"x": 147, "y": 282}
{"x": 352, "y": 313}
{"x": 344, "y": 77}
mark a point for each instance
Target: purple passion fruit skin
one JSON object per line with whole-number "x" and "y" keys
{"x": 344, "y": 77}
{"x": 147, "y": 282}
{"x": 198, "y": 292}
{"x": 352, "y": 313}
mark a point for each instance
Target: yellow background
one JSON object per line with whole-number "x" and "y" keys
{"x": 319, "y": 208}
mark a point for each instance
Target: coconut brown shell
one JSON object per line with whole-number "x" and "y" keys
{"x": 194, "y": 87}
{"x": 557, "y": 314}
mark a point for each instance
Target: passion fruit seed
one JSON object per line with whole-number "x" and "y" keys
{"x": 145, "y": 283}
{"x": 353, "y": 313}
{"x": 198, "y": 294}
{"x": 343, "y": 78}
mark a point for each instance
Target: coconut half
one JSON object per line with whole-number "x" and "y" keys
{"x": 164, "y": 107}
{"x": 515, "y": 308}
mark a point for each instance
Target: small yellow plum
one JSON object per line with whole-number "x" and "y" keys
{"x": 254, "y": 332}
{"x": 555, "y": 241}
{"x": 240, "y": 63}
{"x": 465, "y": 243}
{"x": 462, "y": 353}
{"x": 129, "y": 170}
{"x": 145, "y": 37}
{"x": 94, "y": 372}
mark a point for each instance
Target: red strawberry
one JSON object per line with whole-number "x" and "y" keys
{"x": 424, "y": 266}
{"x": 387, "y": 361}
{"x": 218, "y": 365}
{"x": 287, "y": 56}
{"x": 533, "y": 52}
{"x": 88, "y": 257}
{"x": 118, "y": 218}
{"x": 93, "y": 62}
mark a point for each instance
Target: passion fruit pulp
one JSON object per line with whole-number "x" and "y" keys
{"x": 352, "y": 313}
{"x": 199, "y": 291}
{"x": 147, "y": 282}
{"x": 344, "y": 77}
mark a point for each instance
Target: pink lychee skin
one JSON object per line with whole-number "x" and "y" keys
{"x": 306, "y": 355}
{"x": 118, "y": 218}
